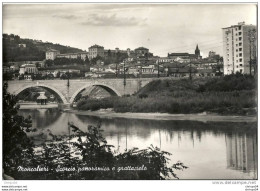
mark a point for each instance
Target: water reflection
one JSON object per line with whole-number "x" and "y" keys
{"x": 212, "y": 150}
{"x": 42, "y": 118}
{"x": 241, "y": 151}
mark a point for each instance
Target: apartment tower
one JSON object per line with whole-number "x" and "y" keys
{"x": 239, "y": 41}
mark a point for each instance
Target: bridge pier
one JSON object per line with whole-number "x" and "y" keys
{"x": 64, "y": 106}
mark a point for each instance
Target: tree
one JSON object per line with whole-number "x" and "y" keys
{"x": 49, "y": 63}
{"x": 87, "y": 62}
{"x": 17, "y": 147}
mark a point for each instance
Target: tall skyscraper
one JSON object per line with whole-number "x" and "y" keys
{"x": 239, "y": 41}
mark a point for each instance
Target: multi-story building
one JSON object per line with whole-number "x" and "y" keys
{"x": 237, "y": 48}
{"x": 142, "y": 52}
{"x": 69, "y": 55}
{"x": 28, "y": 69}
{"x": 83, "y": 55}
{"x": 95, "y": 51}
{"x": 212, "y": 54}
{"x": 52, "y": 54}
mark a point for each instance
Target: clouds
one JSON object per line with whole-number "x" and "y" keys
{"x": 69, "y": 17}
{"x": 113, "y": 20}
{"x": 127, "y": 25}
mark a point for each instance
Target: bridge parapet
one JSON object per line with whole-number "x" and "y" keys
{"x": 68, "y": 94}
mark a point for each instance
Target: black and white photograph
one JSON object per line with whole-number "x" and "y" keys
{"x": 129, "y": 91}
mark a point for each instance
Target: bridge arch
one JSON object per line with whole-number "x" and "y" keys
{"x": 109, "y": 88}
{"x": 62, "y": 97}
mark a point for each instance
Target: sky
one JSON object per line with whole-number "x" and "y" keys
{"x": 163, "y": 28}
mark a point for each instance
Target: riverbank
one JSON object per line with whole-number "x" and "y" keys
{"x": 229, "y": 95}
{"x": 203, "y": 117}
{"x": 37, "y": 106}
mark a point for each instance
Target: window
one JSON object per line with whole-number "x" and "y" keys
{"x": 237, "y": 61}
{"x": 240, "y": 33}
{"x": 240, "y": 44}
{"x": 236, "y": 44}
{"x": 239, "y": 28}
{"x": 236, "y": 55}
{"x": 240, "y": 64}
{"x": 241, "y": 70}
{"x": 240, "y": 54}
{"x": 240, "y": 38}
{"x": 240, "y": 49}
{"x": 240, "y": 60}
{"x": 236, "y": 50}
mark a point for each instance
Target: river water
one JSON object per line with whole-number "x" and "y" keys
{"x": 211, "y": 150}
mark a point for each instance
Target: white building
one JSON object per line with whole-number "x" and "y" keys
{"x": 236, "y": 48}
{"x": 51, "y": 54}
{"x": 28, "y": 68}
{"x": 95, "y": 51}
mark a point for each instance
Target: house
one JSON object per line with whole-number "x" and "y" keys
{"x": 148, "y": 69}
{"x": 206, "y": 72}
{"x": 14, "y": 68}
{"x": 95, "y": 51}
{"x": 181, "y": 72}
{"x": 22, "y": 45}
{"x": 142, "y": 52}
{"x": 6, "y": 69}
{"x": 28, "y": 77}
{"x": 51, "y": 54}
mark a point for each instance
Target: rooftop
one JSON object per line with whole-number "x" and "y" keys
{"x": 239, "y": 24}
{"x": 52, "y": 50}
{"x": 179, "y": 54}
{"x": 96, "y": 46}
{"x": 141, "y": 48}
{"x": 28, "y": 65}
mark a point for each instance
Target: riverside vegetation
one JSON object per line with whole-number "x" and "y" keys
{"x": 79, "y": 156}
{"x": 232, "y": 94}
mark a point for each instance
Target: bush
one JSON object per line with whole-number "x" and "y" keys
{"x": 234, "y": 82}
{"x": 96, "y": 154}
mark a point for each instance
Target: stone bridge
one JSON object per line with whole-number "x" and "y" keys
{"x": 68, "y": 94}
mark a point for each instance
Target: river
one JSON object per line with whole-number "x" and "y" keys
{"x": 211, "y": 150}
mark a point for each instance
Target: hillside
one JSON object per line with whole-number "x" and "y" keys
{"x": 34, "y": 50}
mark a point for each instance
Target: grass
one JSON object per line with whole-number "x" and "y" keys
{"x": 183, "y": 96}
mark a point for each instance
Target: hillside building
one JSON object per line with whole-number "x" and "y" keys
{"x": 95, "y": 51}
{"x": 142, "y": 52}
{"x": 51, "y": 54}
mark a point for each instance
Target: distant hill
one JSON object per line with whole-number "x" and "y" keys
{"x": 18, "y": 49}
